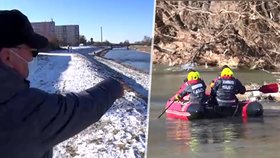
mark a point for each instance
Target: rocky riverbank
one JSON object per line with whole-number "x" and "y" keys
{"x": 239, "y": 34}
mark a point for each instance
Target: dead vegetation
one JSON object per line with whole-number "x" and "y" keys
{"x": 242, "y": 34}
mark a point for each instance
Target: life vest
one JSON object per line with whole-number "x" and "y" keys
{"x": 196, "y": 91}
{"x": 226, "y": 91}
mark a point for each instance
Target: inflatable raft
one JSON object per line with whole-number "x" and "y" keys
{"x": 187, "y": 111}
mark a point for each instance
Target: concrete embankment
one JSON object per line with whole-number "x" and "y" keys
{"x": 100, "y": 52}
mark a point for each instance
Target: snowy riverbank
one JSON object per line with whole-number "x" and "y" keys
{"x": 121, "y": 132}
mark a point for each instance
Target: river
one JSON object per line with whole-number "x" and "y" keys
{"x": 212, "y": 138}
{"x": 132, "y": 58}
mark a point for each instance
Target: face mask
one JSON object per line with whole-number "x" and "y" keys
{"x": 31, "y": 65}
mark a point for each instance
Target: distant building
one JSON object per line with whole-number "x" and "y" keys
{"x": 65, "y": 34}
{"x": 46, "y": 29}
{"x": 68, "y": 34}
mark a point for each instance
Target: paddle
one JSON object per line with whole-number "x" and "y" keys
{"x": 166, "y": 109}
{"x": 269, "y": 88}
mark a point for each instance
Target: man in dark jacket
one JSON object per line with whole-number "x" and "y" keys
{"x": 195, "y": 89}
{"x": 212, "y": 99}
{"x": 31, "y": 120}
{"x": 225, "y": 89}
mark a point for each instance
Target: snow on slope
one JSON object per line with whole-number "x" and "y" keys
{"x": 133, "y": 78}
{"x": 121, "y": 132}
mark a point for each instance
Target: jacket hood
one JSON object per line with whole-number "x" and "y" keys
{"x": 192, "y": 82}
{"x": 11, "y": 82}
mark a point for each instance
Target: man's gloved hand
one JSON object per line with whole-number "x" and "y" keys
{"x": 123, "y": 86}
{"x": 120, "y": 85}
{"x": 212, "y": 84}
{"x": 177, "y": 97}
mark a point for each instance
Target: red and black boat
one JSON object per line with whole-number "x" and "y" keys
{"x": 187, "y": 111}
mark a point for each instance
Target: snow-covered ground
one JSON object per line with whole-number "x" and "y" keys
{"x": 133, "y": 58}
{"x": 121, "y": 132}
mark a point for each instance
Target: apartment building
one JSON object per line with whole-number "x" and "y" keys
{"x": 67, "y": 34}
{"x": 46, "y": 29}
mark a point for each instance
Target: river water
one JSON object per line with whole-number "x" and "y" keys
{"x": 215, "y": 138}
{"x": 136, "y": 59}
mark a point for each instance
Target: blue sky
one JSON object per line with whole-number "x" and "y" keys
{"x": 120, "y": 19}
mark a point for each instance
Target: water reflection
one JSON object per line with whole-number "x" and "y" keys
{"x": 196, "y": 136}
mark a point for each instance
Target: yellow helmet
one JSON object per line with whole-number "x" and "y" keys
{"x": 226, "y": 72}
{"x": 193, "y": 76}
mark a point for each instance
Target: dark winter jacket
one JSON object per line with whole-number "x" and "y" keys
{"x": 196, "y": 90}
{"x": 33, "y": 121}
{"x": 225, "y": 89}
